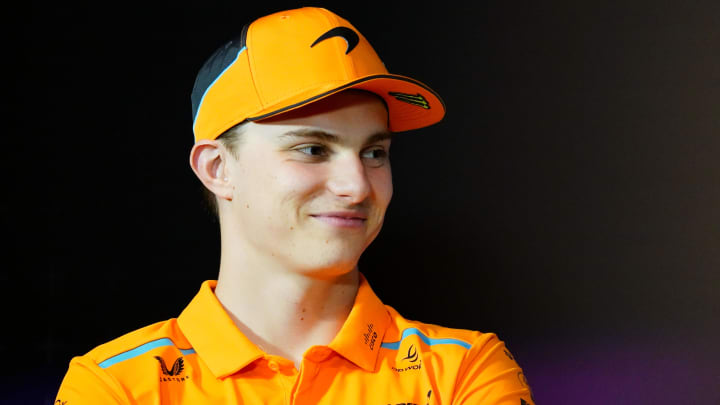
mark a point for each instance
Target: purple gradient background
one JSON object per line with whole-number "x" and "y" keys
{"x": 655, "y": 370}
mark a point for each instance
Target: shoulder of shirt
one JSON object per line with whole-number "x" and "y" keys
{"x": 132, "y": 344}
{"x": 401, "y": 327}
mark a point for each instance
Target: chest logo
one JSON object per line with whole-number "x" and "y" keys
{"x": 413, "y": 361}
{"x": 172, "y": 374}
{"x": 176, "y": 369}
{"x": 412, "y": 354}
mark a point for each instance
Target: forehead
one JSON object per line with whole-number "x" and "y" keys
{"x": 350, "y": 113}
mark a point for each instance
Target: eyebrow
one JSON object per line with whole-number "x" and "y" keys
{"x": 328, "y": 137}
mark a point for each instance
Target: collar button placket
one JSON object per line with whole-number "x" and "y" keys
{"x": 308, "y": 370}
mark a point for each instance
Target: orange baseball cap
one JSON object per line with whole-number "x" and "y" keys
{"x": 289, "y": 59}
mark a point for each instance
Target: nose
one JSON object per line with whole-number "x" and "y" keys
{"x": 348, "y": 179}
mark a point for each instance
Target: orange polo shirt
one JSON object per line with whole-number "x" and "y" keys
{"x": 378, "y": 357}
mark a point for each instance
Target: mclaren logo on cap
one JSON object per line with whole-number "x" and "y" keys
{"x": 350, "y": 36}
{"x": 414, "y": 99}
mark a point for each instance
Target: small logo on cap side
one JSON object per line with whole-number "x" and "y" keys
{"x": 350, "y": 37}
{"x": 414, "y": 99}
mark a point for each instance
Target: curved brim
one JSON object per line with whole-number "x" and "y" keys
{"x": 411, "y": 104}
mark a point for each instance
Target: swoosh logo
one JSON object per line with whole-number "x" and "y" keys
{"x": 350, "y": 37}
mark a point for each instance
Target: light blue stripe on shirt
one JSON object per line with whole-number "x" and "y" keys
{"x": 425, "y": 339}
{"x": 141, "y": 350}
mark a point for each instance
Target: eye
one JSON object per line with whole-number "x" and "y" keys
{"x": 377, "y": 156}
{"x": 375, "y": 153}
{"x": 312, "y": 150}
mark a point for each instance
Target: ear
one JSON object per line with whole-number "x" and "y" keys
{"x": 208, "y": 160}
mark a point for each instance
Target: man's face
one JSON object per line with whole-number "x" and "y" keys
{"x": 311, "y": 186}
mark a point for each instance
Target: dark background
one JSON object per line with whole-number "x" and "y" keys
{"x": 570, "y": 201}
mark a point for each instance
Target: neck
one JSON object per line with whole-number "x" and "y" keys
{"x": 285, "y": 312}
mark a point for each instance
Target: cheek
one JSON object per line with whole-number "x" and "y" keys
{"x": 382, "y": 186}
{"x": 299, "y": 180}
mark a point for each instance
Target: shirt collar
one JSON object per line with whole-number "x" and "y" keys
{"x": 226, "y": 350}
{"x": 362, "y": 333}
{"x": 214, "y": 336}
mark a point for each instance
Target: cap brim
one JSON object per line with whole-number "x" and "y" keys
{"x": 411, "y": 104}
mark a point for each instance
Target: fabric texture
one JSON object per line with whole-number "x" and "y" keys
{"x": 378, "y": 357}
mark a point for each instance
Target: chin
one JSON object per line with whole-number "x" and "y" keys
{"x": 320, "y": 254}
{"x": 329, "y": 267}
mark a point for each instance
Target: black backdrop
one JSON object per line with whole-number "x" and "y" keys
{"x": 569, "y": 202}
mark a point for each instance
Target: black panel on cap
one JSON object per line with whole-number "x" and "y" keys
{"x": 214, "y": 66}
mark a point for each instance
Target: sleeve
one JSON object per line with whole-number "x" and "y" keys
{"x": 86, "y": 383}
{"x": 490, "y": 375}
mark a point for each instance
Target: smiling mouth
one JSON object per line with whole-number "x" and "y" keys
{"x": 341, "y": 221}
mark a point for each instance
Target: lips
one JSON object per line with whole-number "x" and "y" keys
{"x": 343, "y": 214}
{"x": 342, "y": 219}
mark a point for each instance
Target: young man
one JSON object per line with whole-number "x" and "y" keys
{"x": 292, "y": 124}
